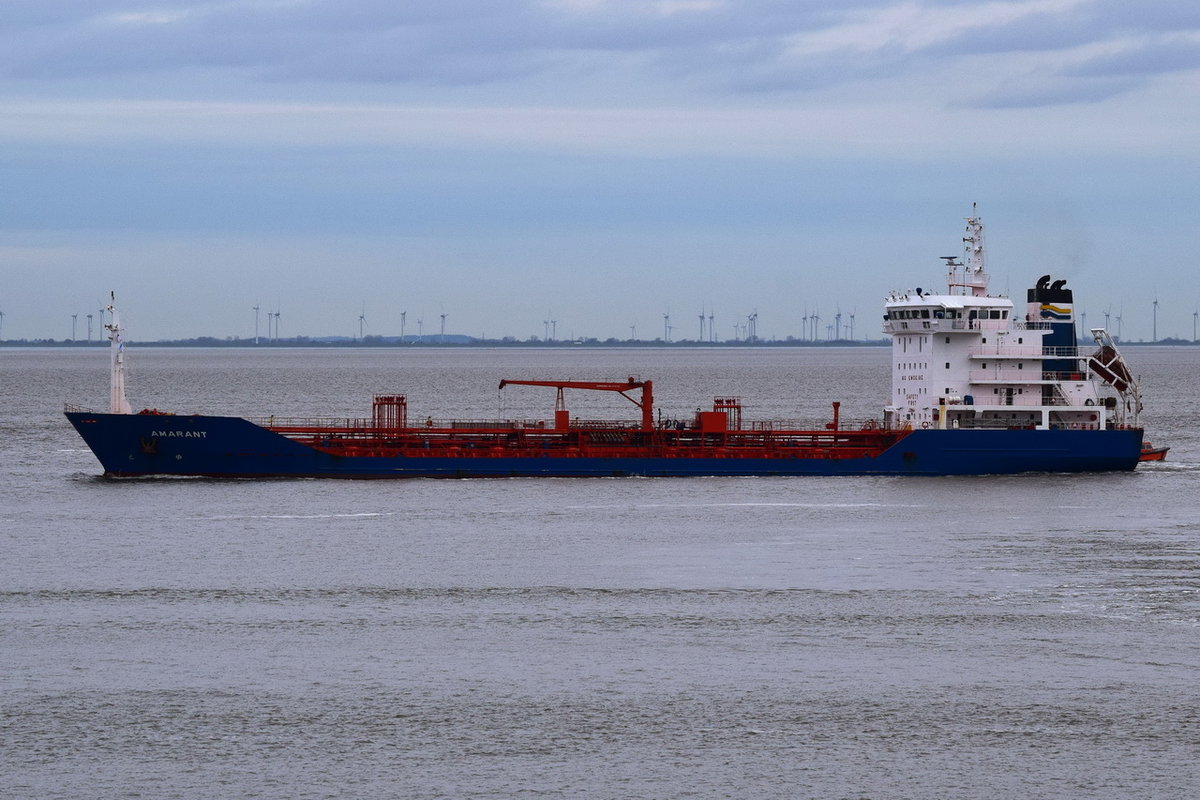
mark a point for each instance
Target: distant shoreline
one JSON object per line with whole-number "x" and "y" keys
{"x": 467, "y": 342}
{"x": 450, "y": 342}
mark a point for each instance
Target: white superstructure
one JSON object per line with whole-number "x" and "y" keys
{"x": 967, "y": 358}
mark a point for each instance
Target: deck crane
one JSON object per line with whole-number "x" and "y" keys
{"x": 562, "y": 416}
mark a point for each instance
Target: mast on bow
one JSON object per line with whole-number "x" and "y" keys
{"x": 118, "y": 404}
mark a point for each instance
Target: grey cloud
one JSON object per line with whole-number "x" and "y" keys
{"x": 740, "y": 47}
{"x": 1051, "y": 90}
{"x": 355, "y": 40}
{"x": 1155, "y": 28}
{"x": 1088, "y": 23}
{"x": 1146, "y": 59}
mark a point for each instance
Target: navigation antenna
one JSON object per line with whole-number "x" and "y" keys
{"x": 970, "y": 277}
{"x": 117, "y": 402}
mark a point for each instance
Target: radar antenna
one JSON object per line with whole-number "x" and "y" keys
{"x": 969, "y": 276}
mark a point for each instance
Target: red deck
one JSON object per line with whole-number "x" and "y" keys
{"x": 710, "y": 434}
{"x": 589, "y": 442}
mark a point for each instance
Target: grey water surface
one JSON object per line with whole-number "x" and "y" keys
{"x": 1030, "y": 636}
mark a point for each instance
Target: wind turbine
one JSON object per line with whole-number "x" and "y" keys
{"x": 667, "y": 327}
{"x": 74, "y": 319}
{"x": 1, "y": 326}
{"x": 851, "y": 326}
{"x": 403, "y": 314}
{"x": 712, "y": 332}
{"x": 89, "y": 319}
{"x": 1155, "y": 329}
{"x": 633, "y": 331}
{"x": 255, "y": 309}
{"x": 362, "y": 320}
{"x": 443, "y": 336}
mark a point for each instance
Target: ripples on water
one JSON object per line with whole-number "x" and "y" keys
{"x": 1025, "y": 636}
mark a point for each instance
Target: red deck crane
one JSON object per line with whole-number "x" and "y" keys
{"x": 561, "y": 416}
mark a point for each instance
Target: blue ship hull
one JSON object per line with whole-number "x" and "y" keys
{"x": 196, "y": 445}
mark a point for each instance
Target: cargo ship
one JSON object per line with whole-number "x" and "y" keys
{"x": 979, "y": 386}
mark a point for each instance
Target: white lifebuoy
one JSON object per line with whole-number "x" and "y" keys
{"x": 925, "y": 424}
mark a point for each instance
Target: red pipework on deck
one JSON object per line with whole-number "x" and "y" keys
{"x": 646, "y": 403}
{"x": 389, "y": 411}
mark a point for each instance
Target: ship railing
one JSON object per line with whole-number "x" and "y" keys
{"x": 275, "y": 422}
{"x": 1073, "y": 375}
{"x": 1030, "y": 325}
{"x": 772, "y": 425}
{"x": 1025, "y": 350}
{"x": 986, "y": 424}
{"x": 891, "y": 325}
{"x": 71, "y": 408}
{"x": 1028, "y": 351}
{"x": 809, "y": 425}
{"x": 605, "y": 424}
{"x": 1011, "y": 374}
{"x": 1019, "y": 401}
{"x": 484, "y": 424}
{"x": 367, "y": 425}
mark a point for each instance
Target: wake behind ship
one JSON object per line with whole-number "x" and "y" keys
{"x": 978, "y": 387}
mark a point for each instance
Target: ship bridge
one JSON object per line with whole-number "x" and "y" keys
{"x": 927, "y": 312}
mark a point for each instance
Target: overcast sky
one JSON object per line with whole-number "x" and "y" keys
{"x": 596, "y": 162}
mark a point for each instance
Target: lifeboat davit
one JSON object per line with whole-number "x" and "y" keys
{"x": 1108, "y": 365}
